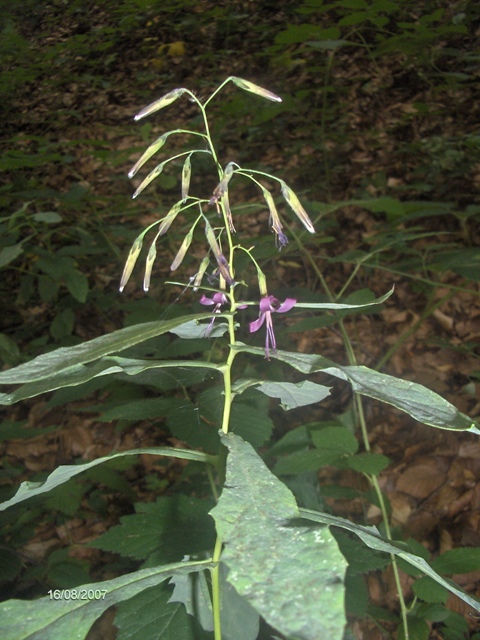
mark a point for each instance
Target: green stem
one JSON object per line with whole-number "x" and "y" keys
{"x": 363, "y": 427}
{"x": 216, "y": 595}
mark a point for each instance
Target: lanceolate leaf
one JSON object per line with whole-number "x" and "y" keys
{"x": 52, "y": 618}
{"x": 66, "y": 358}
{"x": 334, "y": 305}
{"x": 421, "y": 403}
{"x": 268, "y": 556}
{"x": 104, "y": 367}
{"x": 64, "y": 473}
{"x": 372, "y": 538}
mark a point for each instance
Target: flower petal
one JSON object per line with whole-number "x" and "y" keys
{"x": 287, "y": 305}
{"x": 256, "y": 324}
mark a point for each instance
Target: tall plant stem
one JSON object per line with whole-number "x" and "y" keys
{"x": 363, "y": 428}
{"x": 215, "y": 575}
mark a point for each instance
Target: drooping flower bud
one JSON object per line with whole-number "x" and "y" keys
{"x": 254, "y": 88}
{"x": 297, "y": 208}
{"x": 187, "y": 241}
{"x": 152, "y": 254}
{"x": 223, "y": 184}
{"x": 169, "y": 218}
{"x": 201, "y": 272}
{"x": 280, "y": 239}
{"x": 228, "y": 211}
{"x": 162, "y": 102}
{"x": 131, "y": 260}
{"x": 223, "y": 266}
{"x": 186, "y": 175}
{"x": 151, "y": 150}
{"x": 151, "y": 176}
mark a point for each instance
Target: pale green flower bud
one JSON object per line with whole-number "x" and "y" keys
{"x": 201, "y": 272}
{"x": 280, "y": 239}
{"x": 254, "y": 88}
{"x": 160, "y": 103}
{"x": 131, "y": 260}
{"x": 169, "y": 218}
{"x": 151, "y": 176}
{"x": 297, "y": 208}
{"x": 151, "y": 150}
{"x": 152, "y": 254}
{"x": 186, "y": 175}
{"x": 187, "y": 241}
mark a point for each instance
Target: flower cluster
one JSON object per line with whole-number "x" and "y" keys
{"x": 268, "y": 305}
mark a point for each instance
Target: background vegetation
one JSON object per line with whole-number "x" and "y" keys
{"x": 377, "y": 131}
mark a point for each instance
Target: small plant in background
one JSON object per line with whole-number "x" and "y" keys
{"x": 218, "y": 564}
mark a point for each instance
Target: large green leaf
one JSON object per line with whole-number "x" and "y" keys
{"x": 66, "y": 358}
{"x": 343, "y": 306}
{"x": 57, "y": 618}
{"x": 162, "y": 530}
{"x": 421, "y": 403}
{"x": 291, "y": 575}
{"x": 150, "y": 615}
{"x": 64, "y": 473}
{"x": 372, "y": 538}
{"x": 82, "y": 373}
{"x": 293, "y": 395}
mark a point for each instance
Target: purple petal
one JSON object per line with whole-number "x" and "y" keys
{"x": 256, "y": 324}
{"x": 220, "y": 298}
{"x": 267, "y": 304}
{"x": 206, "y": 301}
{"x": 287, "y": 305}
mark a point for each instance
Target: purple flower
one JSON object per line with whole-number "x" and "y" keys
{"x": 269, "y": 305}
{"x": 218, "y": 299}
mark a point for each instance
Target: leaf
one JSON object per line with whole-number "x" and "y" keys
{"x": 458, "y": 561}
{"x": 79, "y": 374}
{"x": 193, "y": 329}
{"x": 187, "y": 423}
{"x": 193, "y": 592}
{"x": 302, "y": 461}
{"x": 251, "y": 424}
{"x": 429, "y": 591}
{"x": 65, "y": 358}
{"x": 51, "y": 619}
{"x": 162, "y": 530}
{"x": 290, "y": 575}
{"x": 139, "y": 409}
{"x": 366, "y": 462}
{"x": 65, "y": 472}
{"x": 150, "y": 615}
{"x": 292, "y": 395}
{"x": 49, "y": 217}
{"x": 8, "y": 254}
{"x": 338, "y": 439}
{"x": 327, "y": 44}
{"x": 77, "y": 284}
{"x": 419, "y": 402}
{"x": 372, "y": 538}
{"x": 334, "y": 305}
